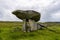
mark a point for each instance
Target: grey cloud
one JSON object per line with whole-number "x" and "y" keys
{"x": 52, "y": 9}
{"x": 7, "y": 6}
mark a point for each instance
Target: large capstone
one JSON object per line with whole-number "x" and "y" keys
{"x": 27, "y": 14}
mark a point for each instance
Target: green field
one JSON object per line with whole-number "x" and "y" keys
{"x": 12, "y": 31}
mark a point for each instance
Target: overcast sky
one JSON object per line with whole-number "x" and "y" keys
{"x": 49, "y": 9}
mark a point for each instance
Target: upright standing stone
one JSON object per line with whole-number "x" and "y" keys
{"x": 38, "y": 26}
{"x": 33, "y": 25}
{"x": 24, "y": 25}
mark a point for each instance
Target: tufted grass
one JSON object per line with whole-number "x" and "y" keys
{"x": 12, "y": 31}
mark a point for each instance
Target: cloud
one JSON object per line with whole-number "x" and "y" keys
{"x": 56, "y": 16}
{"x": 48, "y": 9}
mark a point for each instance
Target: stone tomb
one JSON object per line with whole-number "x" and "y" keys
{"x": 30, "y": 19}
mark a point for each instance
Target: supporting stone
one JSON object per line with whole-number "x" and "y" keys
{"x": 24, "y": 25}
{"x": 33, "y": 25}
{"x": 30, "y": 25}
{"x": 38, "y": 26}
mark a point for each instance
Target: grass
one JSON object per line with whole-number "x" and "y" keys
{"x": 12, "y": 31}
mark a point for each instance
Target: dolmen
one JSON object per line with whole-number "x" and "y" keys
{"x": 30, "y": 19}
